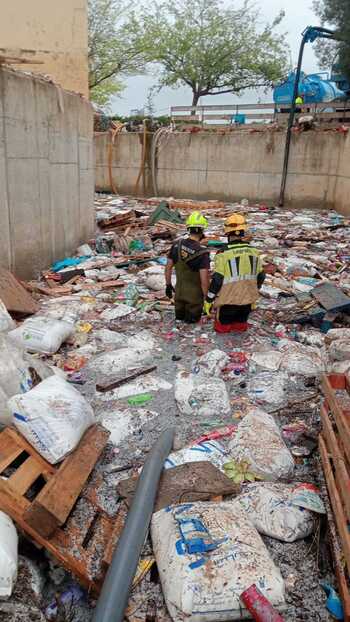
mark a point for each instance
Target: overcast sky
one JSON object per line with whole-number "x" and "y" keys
{"x": 298, "y": 16}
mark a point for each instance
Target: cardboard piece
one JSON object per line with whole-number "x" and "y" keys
{"x": 15, "y": 298}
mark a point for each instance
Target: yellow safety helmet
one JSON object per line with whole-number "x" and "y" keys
{"x": 235, "y": 223}
{"x": 196, "y": 220}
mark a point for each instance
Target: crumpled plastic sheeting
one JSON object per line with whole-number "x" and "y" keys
{"x": 258, "y": 441}
{"x": 269, "y": 508}
{"x": 200, "y": 394}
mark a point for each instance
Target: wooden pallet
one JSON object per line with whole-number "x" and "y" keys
{"x": 334, "y": 444}
{"x": 56, "y": 506}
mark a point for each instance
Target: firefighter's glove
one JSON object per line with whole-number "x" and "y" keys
{"x": 169, "y": 290}
{"x": 207, "y": 308}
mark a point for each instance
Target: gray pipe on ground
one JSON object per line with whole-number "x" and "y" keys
{"x": 116, "y": 588}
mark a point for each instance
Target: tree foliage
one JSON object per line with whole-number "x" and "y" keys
{"x": 212, "y": 48}
{"x": 335, "y": 14}
{"x": 114, "y": 48}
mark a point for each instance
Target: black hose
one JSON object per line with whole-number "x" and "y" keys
{"x": 116, "y": 588}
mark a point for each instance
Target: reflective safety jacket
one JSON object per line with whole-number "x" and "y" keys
{"x": 236, "y": 274}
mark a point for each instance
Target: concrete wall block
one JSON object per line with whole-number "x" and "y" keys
{"x": 63, "y": 128}
{"x": 86, "y": 205}
{"x": 86, "y": 153}
{"x": 24, "y": 209}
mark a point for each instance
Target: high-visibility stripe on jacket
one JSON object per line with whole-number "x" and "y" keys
{"x": 239, "y": 266}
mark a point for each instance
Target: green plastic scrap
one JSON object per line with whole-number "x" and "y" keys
{"x": 138, "y": 400}
{"x": 163, "y": 212}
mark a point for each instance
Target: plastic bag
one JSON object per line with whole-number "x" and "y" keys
{"x": 52, "y": 417}
{"x": 207, "y": 555}
{"x": 6, "y": 321}
{"x": 200, "y": 394}
{"x": 212, "y": 363}
{"x": 8, "y": 555}
{"x": 259, "y": 442}
{"x": 267, "y": 360}
{"x": 339, "y": 350}
{"x": 15, "y": 376}
{"x": 206, "y": 451}
{"x": 301, "y": 359}
{"x": 116, "y": 361}
{"x": 116, "y": 312}
{"x": 42, "y": 334}
{"x": 122, "y": 423}
{"x": 269, "y": 388}
{"x": 269, "y": 507}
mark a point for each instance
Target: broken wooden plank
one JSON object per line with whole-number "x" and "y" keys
{"x": 54, "y": 503}
{"x": 343, "y": 424}
{"x": 336, "y": 503}
{"x": 103, "y": 388}
{"x": 331, "y": 297}
{"x": 341, "y": 473}
{"x": 14, "y": 296}
{"x": 194, "y": 481}
{"x": 23, "y": 478}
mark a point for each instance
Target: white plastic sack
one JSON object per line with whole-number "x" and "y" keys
{"x": 259, "y": 442}
{"x": 200, "y": 394}
{"x": 6, "y": 321}
{"x": 212, "y": 363}
{"x": 116, "y": 312}
{"x": 339, "y": 350}
{"x": 143, "y": 384}
{"x": 52, "y": 417}
{"x": 269, "y": 507}
{"x": 8, "y": 555}
{"x": 113, "y": 362}
{"x": 338, "y": 333}
{"x": 42, "y": 334}
{"x": 301, "y": 359}
{"x": 269, "y": 388}
{"x": 122, "y": 423}
{"x": 206, "y": 451}
{"x": 15, "y": 376}
{"x": 267, "y": 360}
{"x": 207, "y": 554}
{"x": 109, "y": 337}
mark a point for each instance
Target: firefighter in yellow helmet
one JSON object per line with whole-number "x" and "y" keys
{"x": 192, "y": 262}
{"x": 238, "y": 276}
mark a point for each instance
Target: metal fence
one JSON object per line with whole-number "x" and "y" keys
{"x": 222, "y": 115}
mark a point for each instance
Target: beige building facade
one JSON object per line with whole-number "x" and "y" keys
{"x": 53, "y": 32}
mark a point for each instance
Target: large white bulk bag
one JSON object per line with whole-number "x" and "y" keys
{"x": 42, "y": 334}
{"x": 207, "y": 554}
{"x": 8, "y": 555}
{"x": 259, "y": 442}
{"x": 52, "y": 417}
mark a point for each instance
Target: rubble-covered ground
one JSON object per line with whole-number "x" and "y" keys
{"x": 276, "y": 366}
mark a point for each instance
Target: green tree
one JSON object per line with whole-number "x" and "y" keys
{"x": 212, "y": 48}
{"x": 114, "y": 48}
{"x": 334, "y": 14}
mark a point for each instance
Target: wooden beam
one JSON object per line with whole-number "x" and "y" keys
{"x": 337, "y": 507}
{"x": 341, "y": 473}
{"x": 342, "y": 423}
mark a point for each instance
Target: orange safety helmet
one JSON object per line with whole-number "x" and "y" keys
{"x": 235, "y": 223}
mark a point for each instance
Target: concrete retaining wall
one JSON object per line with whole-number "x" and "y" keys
{"x": 46, "y": 172}
{"x": 232, "y": 166}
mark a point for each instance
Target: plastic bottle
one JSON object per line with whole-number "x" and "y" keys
{"x": 258, "y": 606}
